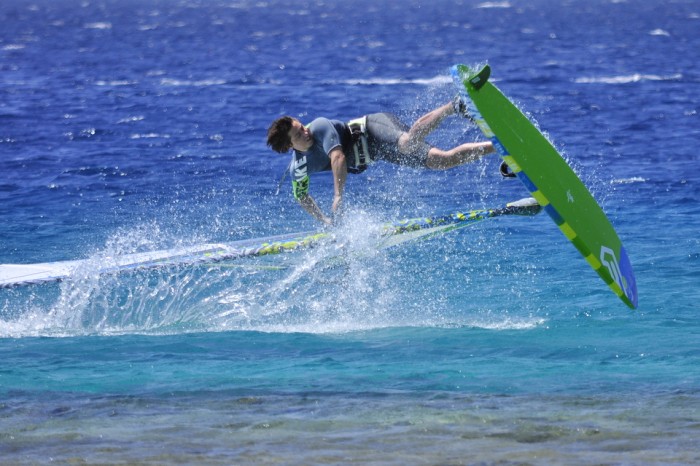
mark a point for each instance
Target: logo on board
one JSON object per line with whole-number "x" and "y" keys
{"x": 609, "y": 260}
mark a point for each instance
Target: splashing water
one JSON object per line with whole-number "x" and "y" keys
{"x": 345, "y": 285}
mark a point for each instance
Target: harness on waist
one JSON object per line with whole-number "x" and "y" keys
{"x": 358, "y": 131}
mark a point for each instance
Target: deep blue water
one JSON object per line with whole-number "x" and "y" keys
{"x": 130, "y": 126}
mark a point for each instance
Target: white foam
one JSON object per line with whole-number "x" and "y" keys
{"x": 508, "y": 323}
{"x": 98, "y": 25}
{"x": 634, "y": 179}
{"x": 131, "y": 119}
{"x": 197, "y": 83}
{"x": 487, "y": 5}
{"x": 115, "y": 83}
{"x": 628, "y": 78}
{"x": 149, "y": 136}
{"x": 397, "y": 81}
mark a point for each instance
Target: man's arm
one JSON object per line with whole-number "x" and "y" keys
{"x": 308, "y": 204}
{"x": 340, "y": 173}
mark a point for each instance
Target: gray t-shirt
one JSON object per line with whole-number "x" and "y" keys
{"x": 328, "y": 135}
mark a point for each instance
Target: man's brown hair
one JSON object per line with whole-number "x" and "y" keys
{"x": 278, "y": 134}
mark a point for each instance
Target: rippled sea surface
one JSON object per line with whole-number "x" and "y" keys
{"x": 132, "y": 126}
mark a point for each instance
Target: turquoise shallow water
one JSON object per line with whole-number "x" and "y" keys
{"x": 130, "y": 126}
{"x": 386, "y": 396}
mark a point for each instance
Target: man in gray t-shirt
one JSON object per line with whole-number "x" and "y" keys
{"x": 332, "y": 145}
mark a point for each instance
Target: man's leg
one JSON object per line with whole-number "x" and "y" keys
{"x": 439, "y": 159}
{"x": 423, "y": 127}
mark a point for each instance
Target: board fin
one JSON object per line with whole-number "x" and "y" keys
{"x": 481, "y": 77}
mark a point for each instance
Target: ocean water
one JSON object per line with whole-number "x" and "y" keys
{"x": 132, "y": 126}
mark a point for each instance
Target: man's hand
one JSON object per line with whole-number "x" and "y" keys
{"x": 309, "y": 205}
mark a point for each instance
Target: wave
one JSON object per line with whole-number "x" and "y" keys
{"x": 72, "y": 316}
{"x": 149, "y": 136}
{"x": 98, "y": 25}
{"x": 197, "y": 83}
{"x": 510, "y": 324}
{"x": 394, "y": 81}
{"x": 340, "y": 327}
{"x": 634, "y": 179}
{"x": 629, "y": 78}
{"x": 131, "y": 119}
{"x": 487, "y": 5}
{"x": 116, "y": 82}
{"x": 660, "y": 32}
{"x": 173, "y": 82}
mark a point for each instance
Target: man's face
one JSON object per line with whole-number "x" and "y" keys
{"x": 301, "y": 137}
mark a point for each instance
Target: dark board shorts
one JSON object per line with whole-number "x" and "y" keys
{"x": 383, "y": 133}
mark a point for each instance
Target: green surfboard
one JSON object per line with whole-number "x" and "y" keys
{"x": 555, "y": 186}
